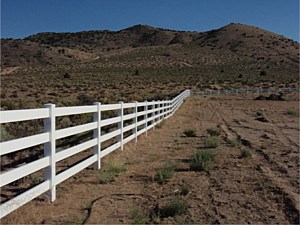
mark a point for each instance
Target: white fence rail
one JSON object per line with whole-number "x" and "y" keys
{"x": 151, "y": 114}
{"x": 244, "y": 91}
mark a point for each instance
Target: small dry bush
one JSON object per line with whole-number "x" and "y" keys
{"x": 176, "y": 206}
{"x": 292, "y": 112}
{"x": 166, "y": 172}
{"x": 212, "y": 142}
{"x": 214, "y": 131}
{"x": 114, "y": 169}
{"x": 245, "y": 153}
{"x": 190, "y": 133}
{"x": 202, "y": 160}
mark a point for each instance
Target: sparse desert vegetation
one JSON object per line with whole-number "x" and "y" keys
{"x": 202, "y": 160}
{"x": 226, "y": 159}
{"x": 153, "y": 189}
{"x": 190, "y": 132}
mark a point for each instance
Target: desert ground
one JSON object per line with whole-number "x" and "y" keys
{"x": 253, "y": 178}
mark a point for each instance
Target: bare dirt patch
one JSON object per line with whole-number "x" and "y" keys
{"x": 261, "y": 186}
{"x": 9, "y": 70}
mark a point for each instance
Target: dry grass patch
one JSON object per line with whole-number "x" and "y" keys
{"x": 202, "y": 160}
{"x": 114, "y": 169}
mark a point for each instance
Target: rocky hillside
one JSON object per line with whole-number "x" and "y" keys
{"x": 240, "y": 42}
{"x": 102, "y": 41}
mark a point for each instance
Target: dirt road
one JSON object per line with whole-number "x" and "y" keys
{"x": 262, "y": 188}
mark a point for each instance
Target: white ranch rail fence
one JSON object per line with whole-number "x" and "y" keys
{"x": 244, "y": 91}
{"x": 152, "y": 113}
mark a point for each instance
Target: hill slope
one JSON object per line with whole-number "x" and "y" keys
{"x": 141, "y": 62}
{"x": 236, "y": 40}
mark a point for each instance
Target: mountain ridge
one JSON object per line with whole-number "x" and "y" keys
{"x": 236, "y": 40}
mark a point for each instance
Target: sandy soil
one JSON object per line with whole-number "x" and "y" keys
{"x": 9, "y": 70}
{"x": 261, "y": 189}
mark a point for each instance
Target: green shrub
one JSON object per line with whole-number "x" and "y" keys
{"x": 109, "y": 175}
{"x": 234, "y": 142}
{"x": 292, "y": 112}
{"x": 190, "y": 133}
{"x": 185, "y": 189}
{"x": 106, "y": 177}
{"x": 117, "y": 167}
{"x": 214, "y": 131}
{"x": 245, "y": 153}
{"x": 138, "y": 217}
{"x": 212, "y": 142}
{"x": 174, "y": 207}
{"x": 202, "y": 160}
{"x": 165, "y": 172}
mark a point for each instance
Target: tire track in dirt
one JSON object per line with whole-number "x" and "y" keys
{"x": 277, "y": 174}
{"x": 273, "y": 170}
{"x": 283, "y": 138}
{"x": 288, "y": 140}
{"x": 291, "y": 197}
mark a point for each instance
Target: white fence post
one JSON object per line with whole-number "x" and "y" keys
{"x": 153, "y": 114}
{"x": 164, "y": 110}
{"x": 146, "y": 117}
{"x": 50, "y": 135}
{"x": 135, "y": 111}
{"x": 50, "y": 150}
{"x": 120, "y": 124}
{"x": 97, "y": 135}
{"x": 159, "y": 110}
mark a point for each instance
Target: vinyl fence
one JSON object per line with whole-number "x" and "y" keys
{"x": 244, "y": 91}
{"x": 143, "y": 116}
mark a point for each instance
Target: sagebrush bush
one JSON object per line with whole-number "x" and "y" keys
{"x": 245, "y": 153}
{"x": 213, "y": 131}
{"x": 292, "y": 112}
{"x": 202, "y": 160}
{"x": 234, "y": 142}
{"x": 106, "y": 177}
{"x": 190, "y": 133}
{"x": 138, "y": 216}
{"x": 117, "y": 167}
{"x": 165, "y": 172}
{"x": 212, "y": 142}
{"x": 185, "y": 189}
{"x": 109, "y": 175}
{"x": 174, "y": 207}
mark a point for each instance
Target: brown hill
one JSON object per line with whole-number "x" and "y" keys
{"x": 141, "y": 62}
{"x": 252, "y": 42}
{"x": 234, "y": 42}
{"x": 95, "y": 41}
{"x": 27, "y": 53}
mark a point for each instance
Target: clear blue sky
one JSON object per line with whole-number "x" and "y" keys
{"x": 20, "y": 18}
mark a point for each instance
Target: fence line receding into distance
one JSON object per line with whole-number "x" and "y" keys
{"x": 144, "y": 116}
{"x": 244, "y": 91}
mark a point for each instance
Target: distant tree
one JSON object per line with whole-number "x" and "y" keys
{"x": 137, "y": 72}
